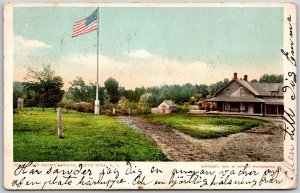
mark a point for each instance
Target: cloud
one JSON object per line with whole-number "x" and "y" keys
{"x": 132, "y": 72}
{"x": 140, "y": 54}
{"x": 144, "y": 69}
{"x": 20, "y": 41}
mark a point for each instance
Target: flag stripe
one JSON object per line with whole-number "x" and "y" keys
{"x": 78, "y": 29}
{"x": 83, "y": 32}
{"x": 80, "y": 21}
{"x": 91, "y": 27}
{"x": 79, "y": 25}
{"x": 83, "y": 29}
{"x": 94, "y": 27}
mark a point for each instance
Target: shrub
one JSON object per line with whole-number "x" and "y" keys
{"x": 71, "y": 106}
{"x": 85, "y": 107}
{"x": 67, "y": 105}
{"x": 182, "y": 109}
{"x": 107, "y": 106}
{"x": 123, "y": 105}
{"x": 143, "y": 108}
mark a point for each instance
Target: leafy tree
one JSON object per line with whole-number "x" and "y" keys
{"x": 149, "y": 99}
{"x": 273, "y": 78}
{"x": 131, "y": 95}
{"x": 254, "y": 81}
{"x": 139, "y": 92}
{"x": 122, "y": 91}
{"x": 112, "y": 88}
{"x": 213, "y": 88}
{"x": 202, "y": 89}
{"x": 143, "y": 105}
{"x": 196, "y": 98}
{"x": 79, "y": 91}
{"x": 43, "y": 87}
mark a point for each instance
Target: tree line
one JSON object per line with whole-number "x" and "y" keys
{"x": 42, "y": 88}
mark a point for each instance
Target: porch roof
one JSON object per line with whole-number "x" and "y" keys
{"x": 274, "y": 101}
{"x": 235, "y": 99}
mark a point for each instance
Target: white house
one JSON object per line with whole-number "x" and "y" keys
{"x": 167, "y": 106}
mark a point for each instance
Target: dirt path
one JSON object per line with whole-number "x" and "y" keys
{"x": 263, "y": 143}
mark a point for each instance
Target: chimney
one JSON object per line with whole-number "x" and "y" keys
{"x": 235, "y": 76}
{"x": 246, "y": 78}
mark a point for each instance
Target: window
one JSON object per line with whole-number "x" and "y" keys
{"x": 227, "y": 106}
{"x": 242, "y": 91}
{"x": 273, "y": 93}
{"x": 243, "y": 108}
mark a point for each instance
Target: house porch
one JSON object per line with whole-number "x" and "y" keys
{"x": 250, "y": 108}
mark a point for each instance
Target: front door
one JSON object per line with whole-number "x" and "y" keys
{"x": 164, "y": 109}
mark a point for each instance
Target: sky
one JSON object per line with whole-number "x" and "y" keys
{"x": 140, "y": 46}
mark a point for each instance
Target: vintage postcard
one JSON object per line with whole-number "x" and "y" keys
{"x": 150, "y": 96}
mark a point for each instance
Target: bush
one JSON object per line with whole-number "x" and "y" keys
{"x": 85, "y": 107}
{"x": 70, "y": 106}
{"x": 182, "y": 109}
{"x": 67, "y": 105}
{"x": 123, "y": 105}
{"x": 143, "y": 108}
{"x": 107, "y": 106}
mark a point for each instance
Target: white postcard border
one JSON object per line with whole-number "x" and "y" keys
{"x": 241, "y": 172}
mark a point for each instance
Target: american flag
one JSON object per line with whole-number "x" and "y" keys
{"x": 86, "y": 25}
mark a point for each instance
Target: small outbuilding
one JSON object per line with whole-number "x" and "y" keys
{"x": 167, "y": 106}
{"x": 20, "y": 104}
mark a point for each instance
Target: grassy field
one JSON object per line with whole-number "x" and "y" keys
{"x": 205, "y": 126}
{"x": 86, "y": 138}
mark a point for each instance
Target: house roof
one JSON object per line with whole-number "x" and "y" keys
{"x": 258, "y": 89}
{"x": 265, "y": 89}
{"x": 273, "y": 101}
{"x": 170, "y": 103}
{"x": 235, "y": 99}
{"x": 248, "y": 86}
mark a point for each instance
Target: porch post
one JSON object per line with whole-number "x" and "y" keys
{"x": 265, "y": 109}
{"x": 223, "y": 106}
{"x": 277, "y": 110}
{"x": 241, "y": 104}
{"x": 261, "y": 108}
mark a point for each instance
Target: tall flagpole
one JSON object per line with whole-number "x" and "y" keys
{"x": 97, "y": 102}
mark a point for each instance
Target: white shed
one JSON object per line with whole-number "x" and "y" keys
{"x": 167, "y": 106}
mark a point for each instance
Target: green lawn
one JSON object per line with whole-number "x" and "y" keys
{"x": 86, "y": 138}
{"x": 205, "y": 126}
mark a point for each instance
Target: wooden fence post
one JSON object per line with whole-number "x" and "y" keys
{"x": 59, "y": 122}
